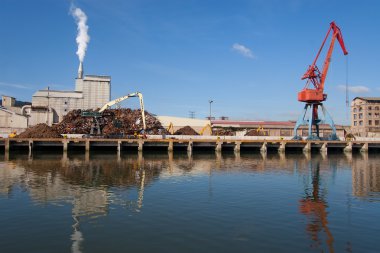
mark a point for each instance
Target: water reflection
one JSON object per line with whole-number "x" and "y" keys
{"x": 93, "y": 184}
{"x": 88, "y": 177}
{"x": 314, "y": 206}
{"x": 84, "y": 183}
{"x": 366, "y": 176}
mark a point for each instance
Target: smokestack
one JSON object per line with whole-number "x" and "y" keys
{"x": 80, "y": 70}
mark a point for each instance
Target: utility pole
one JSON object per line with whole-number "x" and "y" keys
{"x": 192, "y": 114}
{"x": 210, "y": 101}
{"x": 48, "y": 107}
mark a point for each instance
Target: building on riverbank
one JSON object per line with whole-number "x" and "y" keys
{"x": 49, "y": 106}
{"x": 272, "y": 128}
{"x": 11, "y": 118}
{"x": 365, "y": 116}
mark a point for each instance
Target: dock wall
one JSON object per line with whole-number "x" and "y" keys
{"x": 188, "y": 143}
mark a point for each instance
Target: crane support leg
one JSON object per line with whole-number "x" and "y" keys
{"x": 311, "y": 119}
{"x": 330, "y": 122}
{"x": 311, "y": 123}
{"x": 301, "y": 121}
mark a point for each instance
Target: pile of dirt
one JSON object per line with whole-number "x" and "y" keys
{"x": 187, "y": 130}
{"x": 40, "y": 131}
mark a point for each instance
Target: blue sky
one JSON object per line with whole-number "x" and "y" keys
{"x": 248, "y": 56}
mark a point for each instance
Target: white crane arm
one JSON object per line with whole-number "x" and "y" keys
{"x": 118, "y": 100}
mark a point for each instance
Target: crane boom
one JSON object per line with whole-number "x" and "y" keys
{"x": 118, "y": 100}
{"x": 314, "y": 76}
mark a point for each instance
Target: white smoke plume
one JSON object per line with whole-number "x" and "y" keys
{"x": 82, "y": 37}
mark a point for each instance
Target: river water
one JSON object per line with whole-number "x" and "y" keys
{"x": 204, "y": 202}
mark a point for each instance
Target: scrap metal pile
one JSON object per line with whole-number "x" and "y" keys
{"x": 74, "y": 123}
{"x": 223, "y": 132}
{"x": 113, "y": 121}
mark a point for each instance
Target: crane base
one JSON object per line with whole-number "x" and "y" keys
{"x": 311, "y": 118}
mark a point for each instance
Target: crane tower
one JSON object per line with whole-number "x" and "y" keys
{"x": 314, "y": 96}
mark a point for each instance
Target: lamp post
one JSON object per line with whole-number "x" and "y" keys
{"x": 210, "y": 101}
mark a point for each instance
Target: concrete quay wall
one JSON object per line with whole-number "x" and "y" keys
{"x": 189, "y": 143}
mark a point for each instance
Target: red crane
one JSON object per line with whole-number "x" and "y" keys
{"x": 313, "y": 97}
{"x": 314, "y": 76}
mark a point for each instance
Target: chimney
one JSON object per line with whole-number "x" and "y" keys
{"x": 80, "y": 71}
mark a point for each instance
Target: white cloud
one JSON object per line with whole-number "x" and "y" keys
{"x": 355, "y": 89}
{"x": 14, "y": 85}
{"x": 243, "y": 50}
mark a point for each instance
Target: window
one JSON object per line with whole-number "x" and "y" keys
{"x": 360, "y": 122}
{"x": 369, "y": 115}
{"x": 376, "y": 122}
{"x": 369, "y": 108}
{"x": 360, "y": 115}
{"x": 369, "y": 122}
{"x": 376, "y": 108}
{"x": 65, "y": 102}
{"x": 354, "y": 109}
{"x": 355, "y": 123}
{"x": 360, "y": 109}
{"x": 354, "y": 116}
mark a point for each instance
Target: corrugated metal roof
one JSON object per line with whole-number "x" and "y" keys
{"x": 245, "y": 123}
{"x": 265, "y": 124}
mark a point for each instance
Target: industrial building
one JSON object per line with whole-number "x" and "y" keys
{"x": 365, "y": 116}
{"x": 11, "y": 118}
{"x": 49, "y": 106}
{"x": 11, "y": 121}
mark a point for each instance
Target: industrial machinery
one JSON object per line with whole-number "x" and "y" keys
{"x": 170, "y": 128}
{"x": 13, "y": 134}
{"x": 260, "y": 131}
{"x": 97, "y": 115}
{"x": 314, "y": 96}
{"x": 207, "y": 128}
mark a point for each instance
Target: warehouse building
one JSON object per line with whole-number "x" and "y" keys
{"x": 242, "y": 127}
{"x": 273, "y": 128}
{"x": 365, "y": 116}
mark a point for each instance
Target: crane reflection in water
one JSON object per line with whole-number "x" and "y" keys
{"x": 314, "y": 206}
